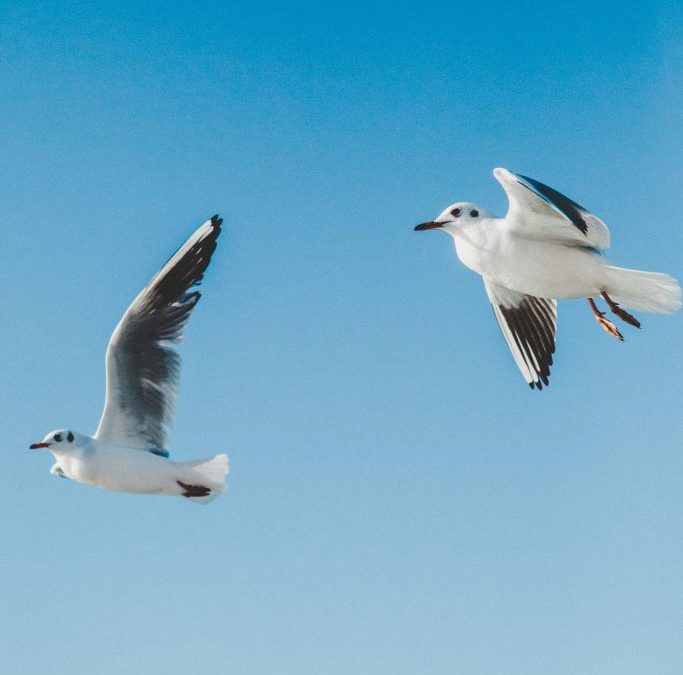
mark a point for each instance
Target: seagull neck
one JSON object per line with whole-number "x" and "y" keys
{"x": 474, "y": 232}
{"x": 476, "y": 244}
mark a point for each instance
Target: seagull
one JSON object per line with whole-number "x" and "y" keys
{"x": 546, "y": 248}
{"x": 128, "y": 452}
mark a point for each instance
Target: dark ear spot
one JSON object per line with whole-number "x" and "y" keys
{"x": 474, "y": 213}
{"x": 70, "y": 437}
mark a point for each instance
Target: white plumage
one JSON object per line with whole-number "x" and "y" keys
{"x": 128, "y": 453}
{"x": 546, "y": 248}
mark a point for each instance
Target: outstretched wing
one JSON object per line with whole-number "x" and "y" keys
{"x": 540, "y": 212}
{"x": 143, "y": 366}
{"x": 529, "y": 325}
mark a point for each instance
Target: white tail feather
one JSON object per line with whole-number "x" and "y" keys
{"x": 210, "y": 473}
{"x": 644, "y": 291}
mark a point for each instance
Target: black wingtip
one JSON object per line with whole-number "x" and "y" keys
{"x": 216, "y": 223}
{"x": 571, "y": 209}
{"x": 538, "y": 384}
{"x": 174, "y": 283}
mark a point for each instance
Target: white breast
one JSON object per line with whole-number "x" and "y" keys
{"x": 540, "y": 268}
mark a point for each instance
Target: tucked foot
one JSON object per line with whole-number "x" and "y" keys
{"x": 618, "y": 311}
{"x": 194, "y": 490}
{"x": 610, "y": 327}
{"x": 606, "y": 324}
{"x": 57, "y": 470}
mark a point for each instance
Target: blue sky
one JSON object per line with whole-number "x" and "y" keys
{"x": 399, "y": 501}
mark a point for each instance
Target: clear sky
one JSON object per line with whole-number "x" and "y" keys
{"x": 400, "y": 502}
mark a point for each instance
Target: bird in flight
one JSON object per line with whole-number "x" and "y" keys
{"x": 128, "y": 452}
{"x": 547, "y": 247}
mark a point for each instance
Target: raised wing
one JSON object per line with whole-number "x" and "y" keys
{"x": 143, "y": 366}
{"x": 540, "y": 212}
{"x": 529, "y": 325}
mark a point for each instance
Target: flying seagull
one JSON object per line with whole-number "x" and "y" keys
{"x": 128, "y": 452}
{"x": 547, "y": 247}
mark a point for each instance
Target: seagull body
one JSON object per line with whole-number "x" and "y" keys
{"x": 546, "y": 248}
{"x": 128, "y": 452}
{"x": 532, "y": 267}
{"x": 122, "y": 469}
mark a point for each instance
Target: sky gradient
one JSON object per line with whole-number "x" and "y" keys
{"x": 399, "y": 501}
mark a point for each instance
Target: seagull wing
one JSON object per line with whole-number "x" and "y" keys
{"x": 143, "y": 366}
{"x": 529, "y": 325}
{"x": 539, "y": 212}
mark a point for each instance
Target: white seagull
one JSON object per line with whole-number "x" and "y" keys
{"x": 128, "y": 452}
{"x": 547, "y": 247}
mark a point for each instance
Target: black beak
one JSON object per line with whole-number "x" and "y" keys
{"x": 36, "y": 446}
{"x": 429, "y": 225}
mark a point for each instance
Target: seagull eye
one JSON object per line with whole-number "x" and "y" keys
{"x": 474, "y": 213}
{"x": 70, "y": 437}
{"x": 456, "y": 212}
{"x": 58, "y": 438}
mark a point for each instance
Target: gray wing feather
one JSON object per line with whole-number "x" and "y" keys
{"x": 143, "y": 366}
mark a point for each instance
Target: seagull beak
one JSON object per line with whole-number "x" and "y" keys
{"x": 40, "y": 444}
{"x": 429, "y": 225}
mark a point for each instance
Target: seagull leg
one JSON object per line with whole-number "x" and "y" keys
{"x": 605, "y": 323}
{"x": 618, "y": 311}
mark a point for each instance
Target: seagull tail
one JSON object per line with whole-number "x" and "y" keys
{"x": 204, "y": 479}
{"x": 644, "y": 291}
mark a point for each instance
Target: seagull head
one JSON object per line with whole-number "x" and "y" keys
{"x": 58, "y": 440}
{"x": 454, "y": 217}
